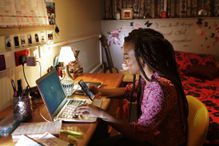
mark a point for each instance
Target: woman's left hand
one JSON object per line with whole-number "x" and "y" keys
{"x": 89, "y": 110}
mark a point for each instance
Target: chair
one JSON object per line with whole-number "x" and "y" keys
{"x": 198, "y": 121}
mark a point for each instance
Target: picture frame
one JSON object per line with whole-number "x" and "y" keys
{"x": 16, "y": 41}
{"x": 8, "y": 42}
{"x": 127, "y": 14}
{"x": 29, "y": 39}
{"x": 23, "y": 40}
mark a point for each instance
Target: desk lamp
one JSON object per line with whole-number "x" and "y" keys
{"x": 66, "y": 55}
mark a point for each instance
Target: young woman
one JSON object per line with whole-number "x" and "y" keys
{"x": 163, "y": 111}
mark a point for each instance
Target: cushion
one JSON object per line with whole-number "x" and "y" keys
{"x": 208, "y": 72}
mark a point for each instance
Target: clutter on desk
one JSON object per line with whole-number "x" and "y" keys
{"x": 8, "y": 124}
{"x": 46, "y": 139}
{"x": 35, "y": 130}
{"x": 21, "y": 102}
{"x": 73, "y": 134}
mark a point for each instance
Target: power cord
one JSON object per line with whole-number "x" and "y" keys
{"x": 25, "y": 78}
{"x": 40, "y": 67}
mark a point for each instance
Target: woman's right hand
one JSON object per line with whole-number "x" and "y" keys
{"x": 94, "y": 89}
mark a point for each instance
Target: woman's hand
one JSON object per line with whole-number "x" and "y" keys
{"x": 94, "y": 89}
{"x": 89, "y": 110}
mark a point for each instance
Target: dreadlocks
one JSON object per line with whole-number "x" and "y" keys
{"x": 158, "y": 53}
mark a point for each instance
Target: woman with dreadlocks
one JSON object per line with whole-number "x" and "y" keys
{"x": 163, "y": 111}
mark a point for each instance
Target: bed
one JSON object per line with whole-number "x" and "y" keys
{"x": 200, "y": 78}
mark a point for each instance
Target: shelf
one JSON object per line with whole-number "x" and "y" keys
{"x": 23, "y": 29}
{"x": 21, "y": 48}
{"x": 176, "y": 18}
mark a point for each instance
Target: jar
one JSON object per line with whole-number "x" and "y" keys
{"x": 22, "y": 108}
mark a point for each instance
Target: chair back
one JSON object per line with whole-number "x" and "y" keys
{"x": 198, "y": 122}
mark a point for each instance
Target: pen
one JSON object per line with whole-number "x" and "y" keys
{"x": 14, "y": 88}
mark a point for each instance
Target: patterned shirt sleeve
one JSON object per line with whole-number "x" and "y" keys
{"x": 154, "y": 109}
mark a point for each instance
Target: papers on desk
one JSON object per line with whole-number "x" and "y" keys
{"x": 35, "y": 130}
{"x": 45, "y": 139}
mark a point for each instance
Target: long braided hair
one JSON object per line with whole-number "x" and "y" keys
{"x": 158, "y": 53}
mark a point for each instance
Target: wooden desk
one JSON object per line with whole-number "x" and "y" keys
{"x": 109, "y": 81}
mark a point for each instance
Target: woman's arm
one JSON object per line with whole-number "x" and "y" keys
{"x": 112, "y": 92}
{"x": 130, "y": 130}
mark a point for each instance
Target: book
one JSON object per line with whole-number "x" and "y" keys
{"x": 35, "y": 130}
{"x": 46, "y": 139}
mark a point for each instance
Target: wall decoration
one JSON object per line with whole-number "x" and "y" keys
{"x": 50, "y": 6}
{"x": 148, "y": 23}
{"x": 42, "y": 37}
{"x": 8, "y": 43}
{"x": 23, "y": 13}
{"x": 127, "y": 14}
{"x": 36, "y": 38}
{"x": 114, "y": 37}
{"x": 23, "y": 40}
{"x": 16, "y": 42}
{"x": 29, "y": 38}
{"x": 50, "y": 36}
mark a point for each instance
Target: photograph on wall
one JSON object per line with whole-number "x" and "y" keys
{"x": 29, "y": 38}
{"x": 36, "y": 38}
{"x": 42, "y": 37}
{"x": 50, "y": 6}
{"x": 16, "y": 42}
{"x": 23, "y": 40}
{"x": 8, "y": 42}
{"x": 50, "y": 36}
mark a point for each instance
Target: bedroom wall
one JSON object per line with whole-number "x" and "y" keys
{"x": 185, "y": 34}
{"x": 79, "y": 24}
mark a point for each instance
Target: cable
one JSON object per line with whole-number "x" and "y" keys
{"x": 40, "y": 68}
{"x": 25, "y": 76}
{"x": 42, "y": 115}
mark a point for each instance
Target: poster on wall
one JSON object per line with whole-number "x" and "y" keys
{"x": 7, "y": 10}
{"x": 23, "y": 13}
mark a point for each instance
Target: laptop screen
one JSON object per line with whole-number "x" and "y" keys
{"x": 51, "y": 90}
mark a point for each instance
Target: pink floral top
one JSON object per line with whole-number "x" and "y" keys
{"x": 159, "y": 122}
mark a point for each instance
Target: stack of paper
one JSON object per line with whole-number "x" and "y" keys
{"x": 36, "y": 130}
{"x": 46, "y": 139}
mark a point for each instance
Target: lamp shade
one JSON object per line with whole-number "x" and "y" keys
{"x": 66, "y": 55}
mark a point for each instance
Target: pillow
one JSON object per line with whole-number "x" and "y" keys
{"x": 204, "y": 72}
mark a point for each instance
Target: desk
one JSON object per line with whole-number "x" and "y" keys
{"x": 108, "y": 80}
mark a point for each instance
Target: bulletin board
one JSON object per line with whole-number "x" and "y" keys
{"x": 15, "y": 13}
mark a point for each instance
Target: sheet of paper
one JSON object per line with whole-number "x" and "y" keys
{"x": 38, "y": 128}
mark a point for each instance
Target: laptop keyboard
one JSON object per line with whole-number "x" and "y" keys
{"x": 69, "y": 110}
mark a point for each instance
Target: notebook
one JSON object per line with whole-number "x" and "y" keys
{"x": 59, "y": 106}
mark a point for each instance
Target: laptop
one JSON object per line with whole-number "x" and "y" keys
{"x": 59, "y": 106}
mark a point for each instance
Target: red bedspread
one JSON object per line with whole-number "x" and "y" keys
{"x": 205, "y": 90}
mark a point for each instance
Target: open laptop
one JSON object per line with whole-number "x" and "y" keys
{"x": 58, "y": 105}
